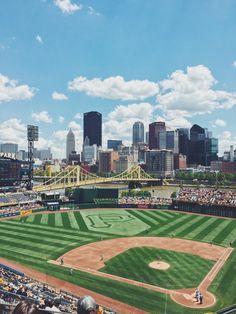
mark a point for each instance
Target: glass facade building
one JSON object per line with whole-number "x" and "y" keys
{"x": 93, "y": 127}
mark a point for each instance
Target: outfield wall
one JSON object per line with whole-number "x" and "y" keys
{"x": 191, "y": 207}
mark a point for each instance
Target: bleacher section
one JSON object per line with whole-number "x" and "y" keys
{"x": 15, "y": 287}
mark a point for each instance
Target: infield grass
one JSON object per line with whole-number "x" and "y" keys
{"x": 186, "y": 270}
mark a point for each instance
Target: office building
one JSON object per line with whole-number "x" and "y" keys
{"x": 183, "y": 141}
{"x": 107, "y": 160}
{"x": 138, "y": 132}
{"x": 70, "y": 144}
{"x": 129, "y": 151}
{"x": 180, "y": 161}
{"x": 74, "y": 158}
{"x": 114, "y": 144}
{"x": 43, "y": 154}
{"x": 123, "y": 163}
{"x": 202, "y": 149}
{"x": 160, "y": 163}
{"x": 90, "y": 154}
{"x": 9, "y": 148}
{"x": 93, "y": 127}
{"x": 154, "y": 130}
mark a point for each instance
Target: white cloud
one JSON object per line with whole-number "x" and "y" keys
{"x": 225, "y": 140}
{"x": 192, "y": 93}
{"x": 59, "y": 138}
{"x": 78, "y": 116}
{"x": 114, "y": 88}
{"x": 13, "y": 131}
{"x": 39, "y": 39}
{"x": 59, "y": 96}
{"x": 61, "y": 119}
{"x": 219, "y": 123}
{"x": 92, "y": 11}
{"x": 234, "y": 64}
{"x": 119, "y": 122}
{"x": 42, "y": 116}
{"x": 142, "y": 111}
{"x": 11, "y": 91}
{"x": 67, "y": 7}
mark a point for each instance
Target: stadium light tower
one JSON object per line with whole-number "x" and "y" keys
{"x": 32, "y": 136}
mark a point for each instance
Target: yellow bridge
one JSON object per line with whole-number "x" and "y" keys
{"x": 75, "y": 176}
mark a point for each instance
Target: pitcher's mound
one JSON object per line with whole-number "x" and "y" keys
{"x": 159, "y": 265}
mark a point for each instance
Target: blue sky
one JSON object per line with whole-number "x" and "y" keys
{"x": 128, "y": 59}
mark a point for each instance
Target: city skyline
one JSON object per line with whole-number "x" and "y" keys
{"x": 172, "y": 61}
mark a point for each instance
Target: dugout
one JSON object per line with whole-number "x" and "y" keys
{"x": 191, "y": 207}
{"x": 90, "y": 194}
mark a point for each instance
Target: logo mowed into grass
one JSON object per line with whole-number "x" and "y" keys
{"x": 108, "y": 220}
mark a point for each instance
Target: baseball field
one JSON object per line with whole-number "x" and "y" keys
{"x": 114, "y": 248}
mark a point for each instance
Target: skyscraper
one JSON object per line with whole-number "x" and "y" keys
{"x": 138, "y": 132}
{"x": 154, "y": 129}
{"x": 93, "y": 127}
{"x": 184, "y": 141}
{"x": 70, "y": 144}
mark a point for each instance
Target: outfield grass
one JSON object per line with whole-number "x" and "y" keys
{"x": 35, "y": 239}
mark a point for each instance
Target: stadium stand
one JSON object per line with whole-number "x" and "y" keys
{"x": 15, "y": 287}
{"x": 145, "y": 200}
{"x": 208, "y": 196}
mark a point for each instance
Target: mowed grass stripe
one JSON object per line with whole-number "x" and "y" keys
{"x": 93, "y": 234}
{"x": 66, "y": 221}
{"x": 34, "y": 238}
{"x": 73, "y": 221}
{"x": 37, "y": 219}
{"x": 29, "y": 219}
{"x": 212, "y": 226}
{"x": 168, "y": 215}
{"x": 44, "y": 219}
{"x": 51, "y": 220}
{"x": 81, "y": 222}
{"x": 182, "y": 228}
{"x": 155, "y": 217}
{"x": 49, "y": 233}
{"x": 22, "y": 256}
{"x": 141, "y": 217}
{"x": 58, "y": 220}
{"x": 197, "y": 221}
{"x": 145, "y": 215}
{"x": 231, "y": 236}
{"x": 205, "y": 223}
{"x": 180, "y": 225}
{"x": 29, "y": 247}
{"x": 169, "y": 226}
{"x": 31, "y": 244}
{"x": 214, "y": 232}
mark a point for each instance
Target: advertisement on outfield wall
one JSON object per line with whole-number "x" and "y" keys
{"x": 143, "y": 206}
{"x": 26, "y": 212}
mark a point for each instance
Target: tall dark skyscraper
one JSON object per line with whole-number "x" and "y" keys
{"x": 154, "y": 129}
{"x": 93, "y": 127}
{"x": 197, "y": 145}
{"x": 184, "y": 141}
{"x": 138, "y": 132}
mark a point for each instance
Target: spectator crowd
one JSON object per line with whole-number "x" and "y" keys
{"x": 15, "y": 287}
{"x": 207, "y": 196}
{"x": 136, "y": 200}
